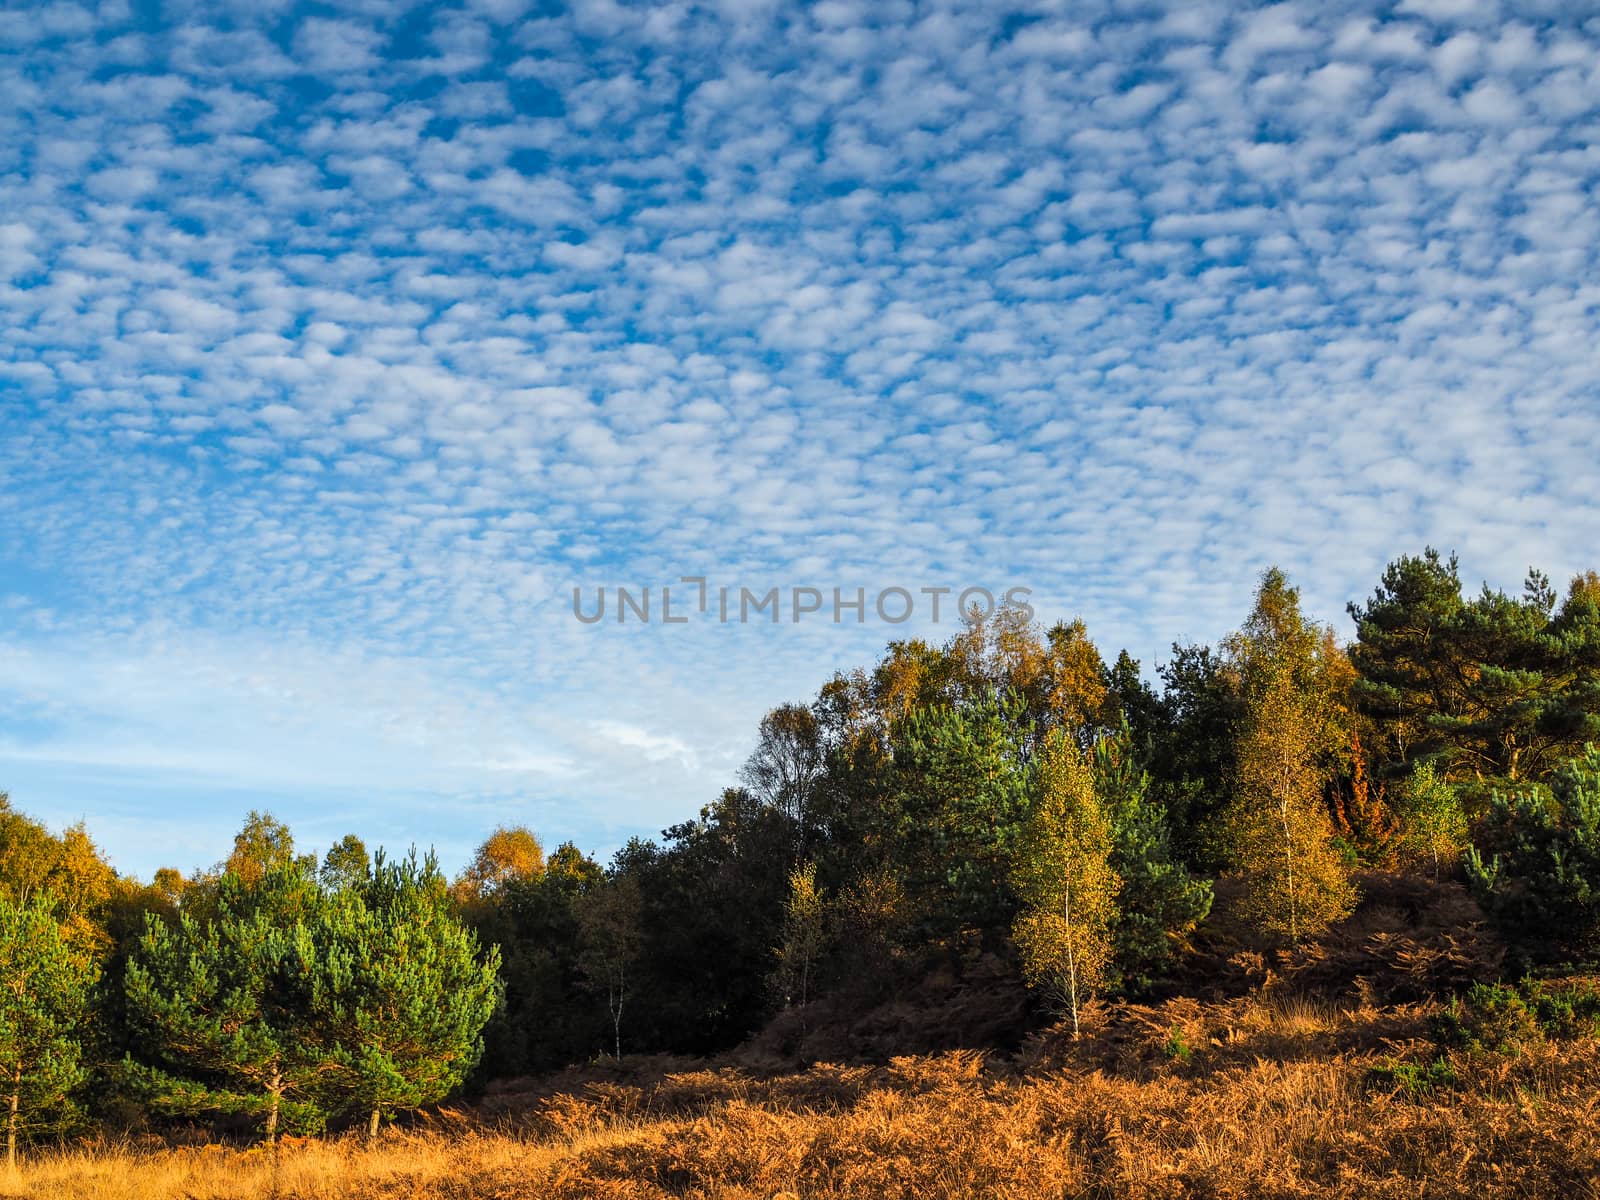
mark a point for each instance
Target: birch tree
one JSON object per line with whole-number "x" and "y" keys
{"x": 804, "y": 937}
{"x": 1296, "y": 883}
{"x": 611, "y": 940}
{"x": 1064, "y": 877}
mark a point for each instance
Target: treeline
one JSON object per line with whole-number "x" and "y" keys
{"x": 1008, "y": 795}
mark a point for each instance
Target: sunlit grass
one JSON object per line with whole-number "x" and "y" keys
{"x": 1277, "y": 1098}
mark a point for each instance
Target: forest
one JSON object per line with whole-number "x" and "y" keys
{"x": 1012, "y": 826}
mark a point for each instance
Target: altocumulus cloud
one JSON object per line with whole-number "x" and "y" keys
{"x": 338, "y": 349}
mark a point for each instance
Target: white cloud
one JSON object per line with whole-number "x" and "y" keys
{"x": 1120, "y": 306}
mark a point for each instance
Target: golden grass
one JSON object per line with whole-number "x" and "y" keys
{"x": 1272, "y": 1099}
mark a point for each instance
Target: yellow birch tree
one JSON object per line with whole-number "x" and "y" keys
{"x": 1064, "y": 877}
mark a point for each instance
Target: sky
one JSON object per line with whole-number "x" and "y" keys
{"x": 339, "y": 345}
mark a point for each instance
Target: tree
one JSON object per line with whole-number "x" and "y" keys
{"x": 804, "y": 937}
{"x": 400, "y": 991}
{"x": 1541, "y": 880}
{"x": 1130, "y": 701}
{"x": 1192, "y": 752}
{"x": 508, "y": 855}
{"x": 719, "y": 880}
{"x": 609, "y": 919}
{"x": 1492, "y": 690}
{"x": 1433, "y": 827}
{"x": 1279, "y": 645}
{"x": 546, "y": 1020}
{"x": 786, "y": 763}
{"x": 263, "y": 845}
{"x": 1574, "y": 645}
{"x": 45, "y": 986}
{"x": 1063, "y": 874}
{"x": 346, "y": 864}
{"x": 67, "y": 872}
{"x": 1160, "y": 902}
{"x": 957, "y": 809}
{"x": 224, "y": 1003}
{"x": 1058, "y": 679}
{"x": 1363, "y": 815}
{"x": 1281, "y": 838}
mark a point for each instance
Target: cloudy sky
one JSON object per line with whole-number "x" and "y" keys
{"x": 340, "y": 344}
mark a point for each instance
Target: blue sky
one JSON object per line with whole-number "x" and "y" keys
{"x": 341, "y": 344}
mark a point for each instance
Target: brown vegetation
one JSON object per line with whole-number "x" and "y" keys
{"x": 1279, "y": 1093}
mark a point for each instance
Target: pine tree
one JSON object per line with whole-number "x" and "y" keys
{"x": 1493, "y": 689}
{"x": 400, "y": 991}
{"x": 224, "y": 1001}
{"x": 957, "y": 809}
{"x": 1064, "y": 876}
{"x": 1160, "y": 901}
{"x": 1541, "y": 880}
{"x": 45, "y": 986}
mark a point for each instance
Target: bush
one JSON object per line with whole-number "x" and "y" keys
{"x": 1570, "y": 1010}
{"x": 1414, "y": 1081}
{"x": 1498, "y": 1018}
{"x": 1536, "y": 868}
{"x": 1494, "y": 1018}
{"x": 1176, "y": 1048}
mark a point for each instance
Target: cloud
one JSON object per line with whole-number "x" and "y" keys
{"x": 340, "y": 350}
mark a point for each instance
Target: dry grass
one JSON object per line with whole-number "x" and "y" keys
{"x": 1269, "y": 1097}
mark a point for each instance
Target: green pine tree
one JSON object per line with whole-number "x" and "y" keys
{"x": 45, "y": 987}
{"x": 1160, "y": 901}
{"x": 401, "y": 992}
{"x": 956, "y": 813}
{"x": 1541, "y": 880}
{"x": 224, "y": 1002}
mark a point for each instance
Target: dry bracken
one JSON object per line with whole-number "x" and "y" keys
{"x": 1267, "y": 1096}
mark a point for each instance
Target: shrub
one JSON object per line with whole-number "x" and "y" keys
{"x": 1570, "y": 1010}
{"x": 1498, "y": 1018}
{"x": 1536, "y": 869}
{"x": 1414, "y": 1081}
{"x": 1175, "y": 1048}
{"x": 1493, "y": 1018}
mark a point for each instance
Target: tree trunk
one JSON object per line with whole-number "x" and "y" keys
{"x": 11, "y": 1119}
{"x": 372, "y": 1126}
{"x": 1072, "y": 958}
{"x": 618, "y": 998}
{"x": 274, "y": 1097}
{"x": 1288, "y": 854}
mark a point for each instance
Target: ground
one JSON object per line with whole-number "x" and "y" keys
{"x": 1299, "y": 1074}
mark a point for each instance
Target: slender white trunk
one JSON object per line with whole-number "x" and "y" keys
{"x": 618, "y": 995}
{"x": 1288, "y": 856}
{"x": 1072, "y": 957}
{"x": 11, "y": 1119}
